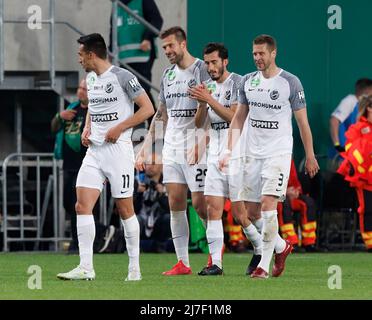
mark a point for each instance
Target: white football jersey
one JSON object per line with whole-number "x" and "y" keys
{"x": 269, "y": 121}
{"x": 225, "y": 93}
{"x": 111, "y": 96}
{"x": 345, "y": 107}
{"x": 181, "y": 109}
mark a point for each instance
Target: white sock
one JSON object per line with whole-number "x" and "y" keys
{"x": 86, "y": 231}
{"x": 279, "y": 244}
{"x": 258, "y": 224}
{"x": 132, "y": 240}
{"x": 180, "y": 235}
{"x": 269, "y": 233}
{"x": 254, "y": 237}
{"x": 215, "y": 241}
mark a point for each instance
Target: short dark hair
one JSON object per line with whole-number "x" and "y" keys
{"x": 177, "y": 31}
{"x": 265, "y": 38}
{"x": 223, "y": 53}
{"x": 94, "y": 42}
{"x": 362, "y": 84}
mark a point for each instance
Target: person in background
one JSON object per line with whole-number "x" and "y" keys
{"x": 297, "y": 201}
{"x": 68, "y": 126}
{"x": 357, "y": 166}
{"x": 151, "y": 205}
{"x": 346, "y": 113}
{"x": 136, "y": 43}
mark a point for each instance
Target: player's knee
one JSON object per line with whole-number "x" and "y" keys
{"x": 214, "y": 212}
{"x": 269, "y": 203}
{"x": 81, "y": 208}
{"x": 200, "y": 208}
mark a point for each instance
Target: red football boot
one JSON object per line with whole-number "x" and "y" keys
{"x": 279, "y": 263}
{"x": 178, "y": 269}
{"x": 259, "y": 273}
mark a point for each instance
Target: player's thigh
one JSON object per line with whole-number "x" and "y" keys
{"x": 125, "y": 207}
{"x": 235, "y": 178}
{"x": 118, "y": 166}
{"x": 275, "y": 175}
{"x": 173, "y": 173}
{"x": 86, "y": 199}
{"x": 195, "y": 177}
{"x": 216, "y": 182}
{"x": 90, "y": 174}
{"x": 215, "y": 206}
{"x": 252, "y": 183}
{"x": 177, "y": 196}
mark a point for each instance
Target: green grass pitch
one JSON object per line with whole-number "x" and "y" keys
{"x": 306, "y": 277}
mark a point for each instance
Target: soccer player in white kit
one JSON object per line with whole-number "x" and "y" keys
{"x": 267, "y": 98}
{"x": 218, "y": 99}
{"x": 176, "y": 112}
{"x": 112, "y": 91}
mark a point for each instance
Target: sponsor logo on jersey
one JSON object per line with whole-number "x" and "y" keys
{"x": 171, "y": 75}
{"x": 134, "y": 84}
{"x": 228, "y": 95}
{"x": 301, "y": 95}
{"x": 177, "y": 95}
{"x": 183, "y": 113}
{"x": 109, "y": 88}
{"x": 178, "y": 82}
{"x": 104, "y": 117}
{"x": 102, "y": 100}
{"x": 211, "y": 87}
{"x": 192, "y": 83}
{"x": 255, "y": 82}
{"x": 274, "y": 94}
{"x": 264, "y": 105}
{"x": 220, "y": 125}
{"x": 264, "y": 124}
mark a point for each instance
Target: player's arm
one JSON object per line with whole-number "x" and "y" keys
{"x": 233, "y": 135}
{"x": 334, "y": 125}
{"x": 160, "y": 119}
{"x": 201, "y": 115}
{"x": 145, "y": 111}
{"x": 311, "y": 164}
{"x": 236, "y": 125}
{"x": 202, "y": 94}
{"x": 86, "y": 131}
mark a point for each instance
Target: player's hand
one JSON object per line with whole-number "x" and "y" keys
{"x": 193, "y": 155}
{"x": 140, "y": 161}
{"x": 223, "y": 163}
{"x": 113, "y": 134}
{"x": 68, "y": 115}
{"x": 85, "y": 137}
{"x": 311, "y": 166}
{"x": 200, "y": 93}
{"x": 145, "y": 45}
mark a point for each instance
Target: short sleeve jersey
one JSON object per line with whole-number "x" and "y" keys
{"x": 271, "y": 102}
{"x": 111, "y": 96}
{"x": 345, "y": 107}
{"x": 181, "y": 109}
{"x": 225, "y": 93}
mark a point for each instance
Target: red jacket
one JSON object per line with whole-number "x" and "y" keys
{"x": 293, "y": 178}
{"x": 357, "y": 166}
